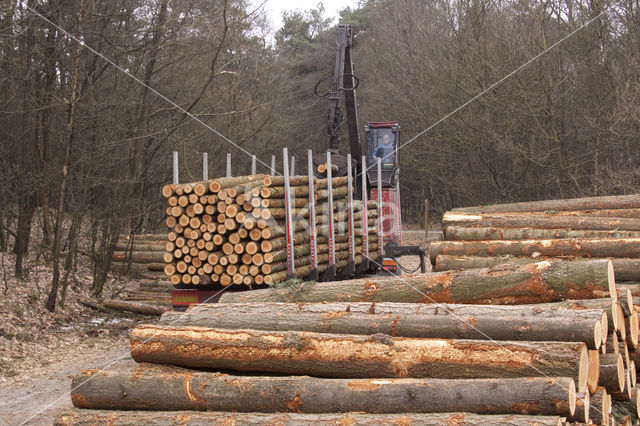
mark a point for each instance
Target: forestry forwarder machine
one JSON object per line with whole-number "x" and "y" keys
{"x": 381, "y": 143}
{"x": 381, "y": 152}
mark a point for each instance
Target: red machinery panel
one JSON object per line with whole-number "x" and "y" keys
{"x": 391, "y": 216}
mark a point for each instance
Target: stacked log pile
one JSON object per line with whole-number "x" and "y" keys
{"x": 232, "y": 230}
{"x": 140, "y": 256}
{"x": 595, "y": 227}
{"x": 544, "y": 343}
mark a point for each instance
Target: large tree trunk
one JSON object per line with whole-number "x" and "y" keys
{"x": 485, "y": 323}
{"x": 193, "y": 418}
{"x": 535, "y": 283}
{"x": 537, "y": 221}
{"x": 152, "y": 388}
{"x": 623, "y": 269}
{"x": 332, "y": 355}
{"x": 135, "y": 307}
{"x": 464, "y": 233}
{"x": 588, "y": 203}
{"x": 596, "y": 248}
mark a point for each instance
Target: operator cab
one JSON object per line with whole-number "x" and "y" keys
{"x": 381, "y": 142}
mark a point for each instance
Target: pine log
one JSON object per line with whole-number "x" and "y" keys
{"x": 634, "y": 404}
{"x": 216, "y": 185}
{"x": 143, "y": 237}
{"x": 624, "y": 269}
{"x": 135, "y": 267}
{"x": 627, "y": 213}
{"x": 594, "y": 369}
{"x": 161, "y": 388}
{"x": 138, "y": 256}
{"x": 465, "y": 233}
{"x": 599, "y": 410}
{"x": 352, "y": 356}
{"x": 535, "y": 283}
{"x": 588, "y": 203}
{"x": 611, "y": 372}
{"x": 158, "y": 246}
{"x": 75, "y": 417}
{"x": 596, "y": 248}
{"x": 139, "y": 308}
{"x": 484, "y": 323}
{"x": 626, "y": 393}
{"x": 581, "y": 414}
{"x": 536, "y": 221}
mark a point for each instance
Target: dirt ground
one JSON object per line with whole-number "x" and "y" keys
{"x": 40, "y": 351}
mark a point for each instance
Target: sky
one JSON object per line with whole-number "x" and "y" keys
{"x": 275, "y": 8}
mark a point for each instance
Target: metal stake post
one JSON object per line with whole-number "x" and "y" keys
{"x": 331, "y": 272}
{"x": 293, "y": 165}
{"x": 273, "y": 165}
{"x": 228, "y": 165}
{"x": 253, "y": 165}
{"x": 176, "y": 179}
{"x": 365, "y": 218}
{"x": 380, "y": 211}
{"x": 289, "y": 217}
{"x": 351, "y": 266}
{"x": 205, "y": 166}
{"x": 313, "y": 235}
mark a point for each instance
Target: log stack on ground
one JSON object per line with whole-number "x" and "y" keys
{"x": 545, "y": 339}
{"x": 232, "y": 230}
{"x": 595, "y": 227}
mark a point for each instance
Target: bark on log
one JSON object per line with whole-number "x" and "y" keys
{"x": 75, "y": 417}
{"x": 599, "y": 406}
{"x": 535, "y": 283}
{"x": 143, "y": 246}
{"x": 588, "y": 203}
{"x": 624, "y": 269}
{"x": 596, "y": 248}
{"x": 581, "y": 414}
{"x": 134, "y": 267}
{"x": 612, "y": 372}
{"x": 150, "y": 387}
{"x": 483, "y": 324}
{"x": 139, "y": 308}
{"x": 138, "y": 256}
{"x": 463, "y": 233}
{"x": 536, "y": 221}
{"x": 216, "y": 185}
{"x": 352, "y": 356}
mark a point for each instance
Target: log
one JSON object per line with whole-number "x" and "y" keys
{"x": 587, "y": 203}
{"x": 484, "y": 322}
{"x": 216, "y": 185}
{"x": 536, "y": 221}
{"x": 597, "y": 248}
{"x": 139, "y": 308}
{"x": 75, "y": 417}
{"x": 135, "y": 267}
{"x": 160, "y": 388}
{"x": 138, "y": 256}
{"x": 464, "y": 233}
{"x": 535, "y": 283}
{"x": 142, "y": 246}
{"x": 626, "y": 393}
{"x": 594, "y": 369}
{"x": 634, "y": 404}
{"x": 353, "y": 356}
{"x": 624, "y": 269}
{"x": 599, "y": 406}
{"x": 581, "y": 414}
{"x": 611, "y": 372}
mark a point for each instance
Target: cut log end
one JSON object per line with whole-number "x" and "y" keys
{"x": 597, "y": 335}
{"x": 612, "y": 281}
{"x": 594, "y": 371}
{"x": 583, "y": 370}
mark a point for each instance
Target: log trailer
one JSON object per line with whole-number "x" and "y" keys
{"x": 374, "y": 174}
